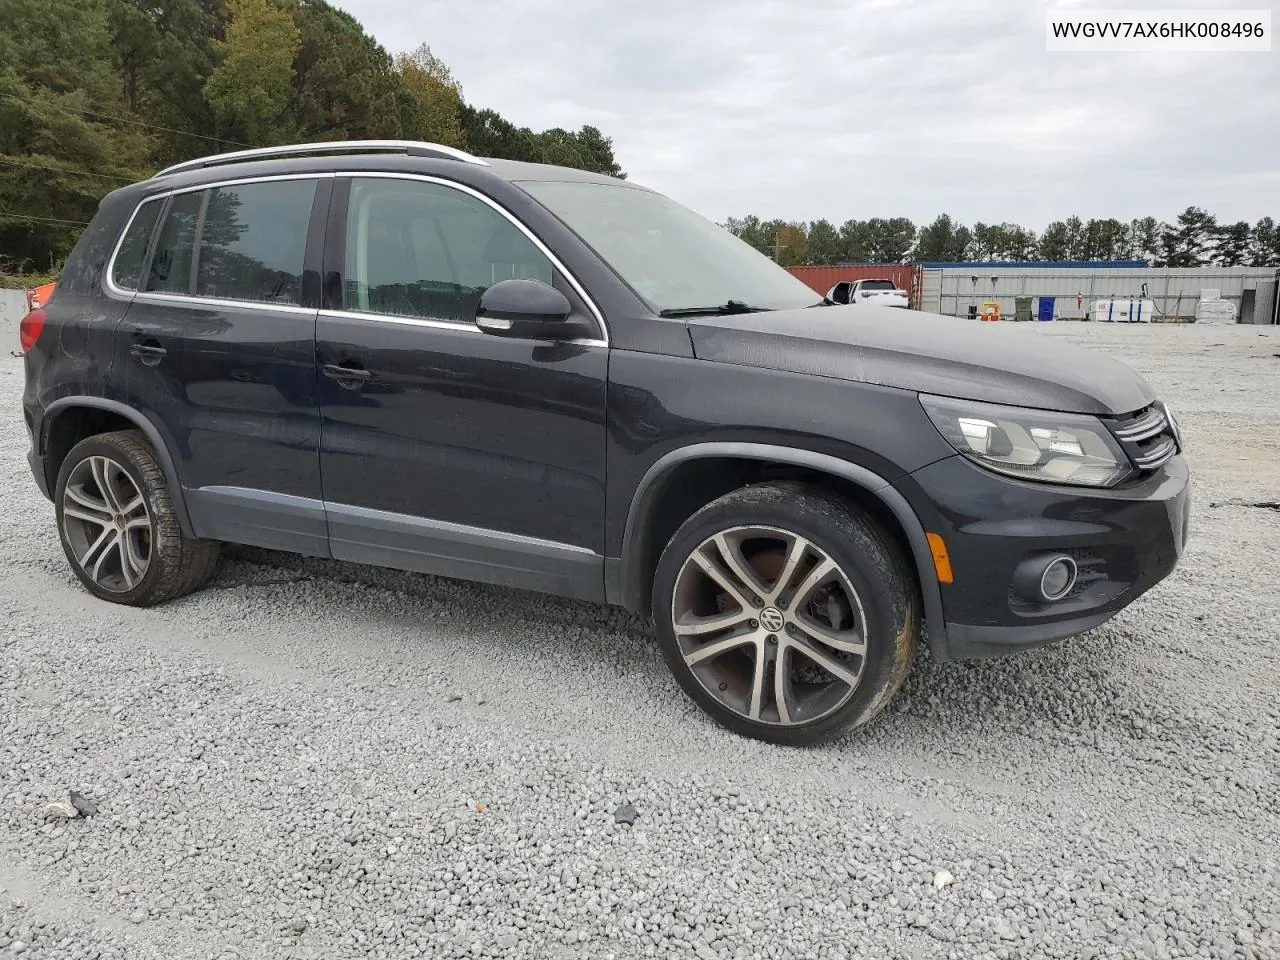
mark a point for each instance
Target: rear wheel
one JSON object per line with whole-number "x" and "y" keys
{"x": 118, "y": 526}
{"x": 786, "y": 612}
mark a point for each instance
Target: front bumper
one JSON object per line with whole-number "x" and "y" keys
{"x": 1124, "y": 542}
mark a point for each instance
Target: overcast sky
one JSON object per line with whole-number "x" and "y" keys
{"x": 857, "y": 108}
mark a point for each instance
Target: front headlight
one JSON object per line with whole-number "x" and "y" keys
{"x": 1031, "y": 444}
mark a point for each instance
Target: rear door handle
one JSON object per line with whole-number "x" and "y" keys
{"x": 149, "y": 352}
{"x": 350, "y": 377}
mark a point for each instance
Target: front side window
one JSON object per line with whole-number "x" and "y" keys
{"x": 670, "y": 256}
{"x": 423, "y": 250}
{"x": 253, "y": 240}
{"x": 170, "y": 270}
{"x": 127, "y": 268}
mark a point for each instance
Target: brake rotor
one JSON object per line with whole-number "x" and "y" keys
{"x": 827, "y": 604}
{"x": 767, "y": 565}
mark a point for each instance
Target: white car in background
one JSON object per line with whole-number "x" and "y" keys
{"x": 882, "y": 293}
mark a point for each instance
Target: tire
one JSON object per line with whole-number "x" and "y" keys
{"x": 126, "y": 545}
{"x": 836, "y": 643}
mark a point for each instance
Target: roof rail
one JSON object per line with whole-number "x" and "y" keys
{"x": 412, "y": 148}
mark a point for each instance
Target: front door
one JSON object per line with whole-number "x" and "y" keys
{"x": 218, "y": 350}
{"x": 445, "y": 449}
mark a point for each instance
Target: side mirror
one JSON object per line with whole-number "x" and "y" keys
{"x": 523, "y": 308}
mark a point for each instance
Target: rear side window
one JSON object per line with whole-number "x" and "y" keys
{"x": 424, "y": 250}
{"x": 170, "y": 270}
{"x": 127, "y": 269}
{"x": 253, "y": 240}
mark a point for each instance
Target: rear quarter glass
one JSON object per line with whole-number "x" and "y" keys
{"x": 126, "y": 269}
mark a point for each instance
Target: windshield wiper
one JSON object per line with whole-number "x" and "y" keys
{"x": 729, "y": 306}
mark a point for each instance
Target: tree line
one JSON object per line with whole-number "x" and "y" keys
{"x": 1194, "y": 239}
{"x": 95, "y": 94}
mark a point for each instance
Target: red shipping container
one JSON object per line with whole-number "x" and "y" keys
{"x": 904, "y": 276}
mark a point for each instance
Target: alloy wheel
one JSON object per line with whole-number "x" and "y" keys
{"x": 770, "y": 625}
{"x": 107, "y": 524}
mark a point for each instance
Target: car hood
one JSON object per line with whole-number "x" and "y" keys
{"x": 925, "y": 352}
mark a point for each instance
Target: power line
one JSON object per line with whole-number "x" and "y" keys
{"x": 85, "y": 173}
{"x": 23, "y": 216}
{"x": 150, "y": 126}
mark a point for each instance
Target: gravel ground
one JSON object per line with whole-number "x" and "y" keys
{"x": 318, "y": 760}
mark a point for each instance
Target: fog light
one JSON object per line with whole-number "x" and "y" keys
{"x": 1046, "y": 578}
{"x": 1058, "y": 579}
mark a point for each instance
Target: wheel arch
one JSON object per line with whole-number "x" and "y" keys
{"x": 69, "y": 406}
{"x": 626, "y": 576}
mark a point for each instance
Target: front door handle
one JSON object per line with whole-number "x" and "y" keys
{"x": 350, "y": 377}
{"x": 149, "y": 352}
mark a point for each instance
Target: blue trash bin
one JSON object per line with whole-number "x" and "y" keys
{"x": 1046, "y": 309}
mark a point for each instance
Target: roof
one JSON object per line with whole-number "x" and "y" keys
{"x": 519, "y": 170}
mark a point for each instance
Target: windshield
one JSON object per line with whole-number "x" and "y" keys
{"x": 878, "y": 285}
{"x": 671, "y": 257}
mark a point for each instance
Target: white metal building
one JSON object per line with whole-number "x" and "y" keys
{"x": 955, "y": 288}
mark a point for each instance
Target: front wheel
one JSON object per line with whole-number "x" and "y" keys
{"x": 786, "y": 613}
{"x": 118, "y": 526}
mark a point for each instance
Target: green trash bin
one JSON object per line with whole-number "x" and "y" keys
{"x": 1022, "y": 308}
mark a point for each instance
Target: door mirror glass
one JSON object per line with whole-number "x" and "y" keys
{"x": 523, "y": 308}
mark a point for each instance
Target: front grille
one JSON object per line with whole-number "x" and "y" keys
{"x": 1146, "y": 436}
{"x": 1144, "y": 425}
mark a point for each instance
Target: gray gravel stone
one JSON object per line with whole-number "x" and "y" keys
{"x": 283, "y": 774}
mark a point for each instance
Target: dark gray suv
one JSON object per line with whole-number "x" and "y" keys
{"x": 400, "y": 354}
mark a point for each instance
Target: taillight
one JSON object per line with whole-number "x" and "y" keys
{"x": 30, "y": 329}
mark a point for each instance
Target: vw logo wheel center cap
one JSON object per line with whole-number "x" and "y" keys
{"x": 771, "y": 619}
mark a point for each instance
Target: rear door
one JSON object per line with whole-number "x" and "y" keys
{"x": 218, "y": 350}
{"x": 445, "y": 449}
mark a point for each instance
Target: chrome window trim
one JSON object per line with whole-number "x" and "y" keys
{"x": 241, "y": 181}
{"x": 457, "y": 326}
{"x": 511, "y": 218}
{"x": 217, "y": 303}
{"x": 120, "y": 293}
{"x": 108, "y": 275}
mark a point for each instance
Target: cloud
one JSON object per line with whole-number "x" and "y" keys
{"x": 859, "y": 108}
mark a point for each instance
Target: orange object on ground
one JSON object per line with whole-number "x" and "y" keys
{"x": 990, "y": 310}
{"x": 39, "y": 296}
